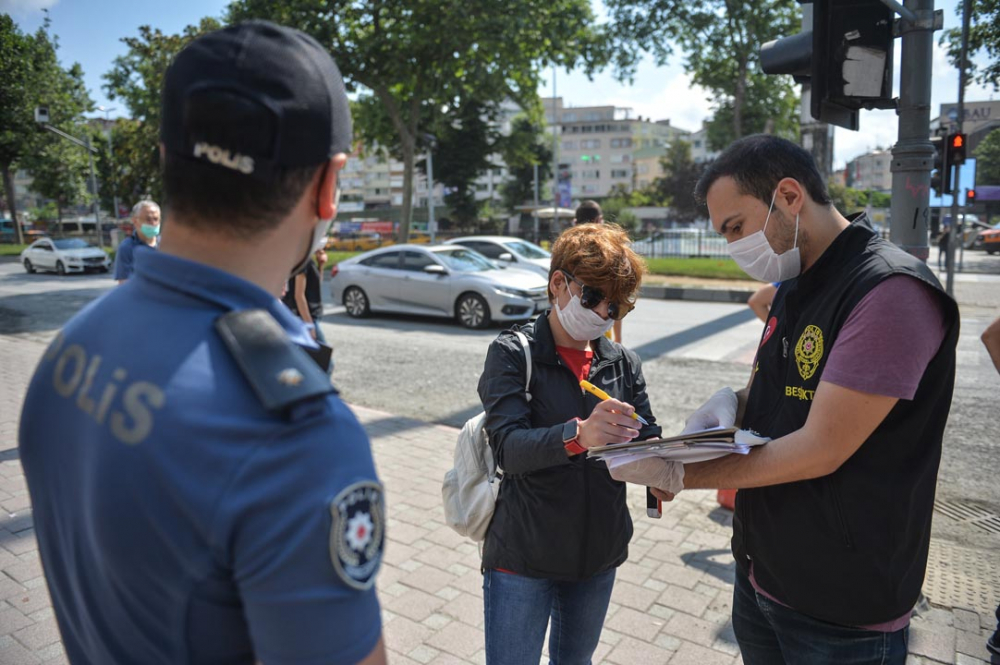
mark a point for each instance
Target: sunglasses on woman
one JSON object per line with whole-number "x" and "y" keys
{"x": 591, "y": 298}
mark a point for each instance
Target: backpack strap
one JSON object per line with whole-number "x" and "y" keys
{"x": 527, "y": 357}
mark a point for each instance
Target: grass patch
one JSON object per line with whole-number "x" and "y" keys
{"x": 337, "y": 257}
{"x": 11, "y": 250}
{"x": 706, "y": 268}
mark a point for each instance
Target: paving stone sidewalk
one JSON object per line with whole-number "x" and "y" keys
{"x": 671, "y": 603}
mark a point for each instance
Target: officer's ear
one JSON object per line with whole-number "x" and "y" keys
{"x": 792, "y": 194}
{"x": 326, "y": 205}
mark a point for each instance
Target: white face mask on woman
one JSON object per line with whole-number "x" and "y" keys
{"x": 580, "y": 323}
{"x": 758, "y": 259}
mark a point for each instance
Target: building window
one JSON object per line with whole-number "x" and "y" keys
{"x": 619, "y": 173}
{"x": 621, "y": 159}
{"x": 643, "y": 169}
{"x": 591, "y": 174}
{"x": 569, "y": 145}
{"x": 569, "y": 117}
{"x": 621, "y": 143}
{"x": 590, "y": 143}
{"x": 697, "y": 144}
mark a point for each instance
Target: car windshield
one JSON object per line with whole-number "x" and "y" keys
{"x": 464, "y": 260}
{"x": 70, "y": 243}
{"x": 527, "y": 250}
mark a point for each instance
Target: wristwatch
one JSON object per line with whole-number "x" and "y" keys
{"x": 571, "y": 437}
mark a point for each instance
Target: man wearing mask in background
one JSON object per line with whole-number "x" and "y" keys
{"x": 145, "y": 231}
{"x": 200, "y": 493}
{"x": 852, "y": 382}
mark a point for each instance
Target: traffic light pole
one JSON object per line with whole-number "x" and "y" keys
{"x": 913, "y": 154}
{"x": 956, "y": 189}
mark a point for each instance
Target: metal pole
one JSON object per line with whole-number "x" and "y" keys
{"x": 535, "y": 213}
{"x": 912, "y": 156}
{"x": 97, "y": 203}
{"x": 555, "y": 155}
{"x": 431, "y": 224}
{"x": 111, "y": 157}
{"x": 956, "y": 230}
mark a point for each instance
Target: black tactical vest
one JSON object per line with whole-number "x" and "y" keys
{"x": 849, "y": 548}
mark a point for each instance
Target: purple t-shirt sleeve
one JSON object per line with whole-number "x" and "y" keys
{"x": 888, "y": 339}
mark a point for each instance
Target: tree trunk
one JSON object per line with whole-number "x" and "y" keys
{"x": 407, "y": 141}
{"x": 59, "y": 216}
{"x": 738, "y": 100}
{"x": 8, "y": 185}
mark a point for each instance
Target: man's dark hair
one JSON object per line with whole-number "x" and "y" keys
{"x": 588, "y": 211}
{"x": 215, "y": 198}
{"x": 757, "y": 163}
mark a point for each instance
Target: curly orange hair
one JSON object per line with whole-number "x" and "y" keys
{"x": 601, "y": 256}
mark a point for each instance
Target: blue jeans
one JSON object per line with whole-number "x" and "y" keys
{"x": 771, "y": 634}
{"x": 518, "y": 609}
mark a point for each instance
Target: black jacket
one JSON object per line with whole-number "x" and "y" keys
{"x": 557, "y": 517}
{"x": 849, "y": 548}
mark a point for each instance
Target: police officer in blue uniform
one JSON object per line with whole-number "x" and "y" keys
{"x": 200, "y": 493}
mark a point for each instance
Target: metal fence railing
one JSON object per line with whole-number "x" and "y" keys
{"x": 682, "y": 243}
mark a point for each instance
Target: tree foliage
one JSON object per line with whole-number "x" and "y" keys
{"x": 988, "y": 159}
{"x": 849, "y": 200}
{"x": 720, "y": 41}
{"x": 136, "y": 79}
{"x": 31, "y": 76}
{"x": 464, "y": 144}
{"x": 419, "y": 57}
{"x": 675, "y": 188}
{"x": 525, "y": 147}
{"x": 984, "y": 38}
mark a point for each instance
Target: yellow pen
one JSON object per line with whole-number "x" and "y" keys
{"x": 601, "y": 395}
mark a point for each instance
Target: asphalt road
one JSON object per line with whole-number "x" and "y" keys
{"x": 429, "y": 368}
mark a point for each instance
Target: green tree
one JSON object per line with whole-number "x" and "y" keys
{"x": 464, "y": 144}
{"x": 720, "y": 40}
{"x": 525, "y": 147}
{"x": 31, "y": 76}
{"x": 417, "y": 57}
{"x": 984, "y": 37}
{"x": 136, "y": 79}
{"x": 988, "y": 159}
{"x": 676, "y": 187}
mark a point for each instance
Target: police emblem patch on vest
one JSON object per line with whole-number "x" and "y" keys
{"x": 809, "y": 351}
{"x": 357, "y": 533}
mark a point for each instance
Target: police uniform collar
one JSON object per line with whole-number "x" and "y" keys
{"x": 219, "y": 288}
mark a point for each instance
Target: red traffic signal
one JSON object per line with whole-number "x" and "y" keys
{"x": 970, "y": 196}
{"x": 956, "y": 149}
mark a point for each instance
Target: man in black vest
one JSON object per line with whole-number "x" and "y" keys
{"x": 853, "y": 382}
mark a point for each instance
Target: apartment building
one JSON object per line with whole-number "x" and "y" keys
{"x": 870, "y": 171}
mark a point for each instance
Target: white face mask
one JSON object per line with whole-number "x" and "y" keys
{"x": 758, "y": 259}
{"x": 580, "y": 323}
{"x": 319, "y": 236}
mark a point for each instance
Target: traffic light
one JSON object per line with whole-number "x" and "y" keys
{"x": 970, "y": 197}
{"x": 956, "y": 149}
{"x": 846, "y": 58}
{"x": 940, "y": 173}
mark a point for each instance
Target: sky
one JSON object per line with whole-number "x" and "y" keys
{"x": 90, "y": 33}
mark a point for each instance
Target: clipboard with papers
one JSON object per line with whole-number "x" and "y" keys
{"x": 688, "y": 448}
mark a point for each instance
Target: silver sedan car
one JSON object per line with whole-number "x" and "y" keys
{"x": 437, "y": 280}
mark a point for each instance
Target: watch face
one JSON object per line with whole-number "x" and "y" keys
{"x": 570, "y": 430}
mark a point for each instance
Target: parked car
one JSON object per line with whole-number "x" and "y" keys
{"x": 354, "y": 242}
{"x": 988, "y": 239}
{"x": 436, "y": 280}
{"x": 509, "y": 252}
{"x": 63, "y": 256}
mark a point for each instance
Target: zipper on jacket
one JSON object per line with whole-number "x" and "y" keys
{"x": 841, "y": 520}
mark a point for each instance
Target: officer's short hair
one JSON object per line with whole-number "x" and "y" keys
{"x": 138, "y": 207}
{"x": 758, "y": 163}
{"x": 588, "y": 211}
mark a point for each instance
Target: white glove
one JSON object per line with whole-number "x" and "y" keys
{"x": 652, "y": 472}
{"x": 718, "y": 411}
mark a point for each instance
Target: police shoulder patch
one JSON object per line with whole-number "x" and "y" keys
{"x": 357, "y": 533}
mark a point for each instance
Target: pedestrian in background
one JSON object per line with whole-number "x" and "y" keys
{"x": 200, "y": 493}
{"x": 832, "y": 523}
{"x": 304, "y": 295}
{"x": 561, "y": 526}
{"x": 760, "y": 301}
{"x": 145, "y": 220}
{"x": 944, "y": 239}
{"x": 991, "y": 340}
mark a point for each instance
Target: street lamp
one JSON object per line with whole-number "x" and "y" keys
{"x": 42, "y": 118}
{"x": 431, "y": 223}
{"x": 111, "y": 157}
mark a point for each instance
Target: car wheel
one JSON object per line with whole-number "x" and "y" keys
{"x": 104, "y": 269}
{"x": 992, "y": 251}
{"x": 356, "y": 302}
{"x": 28, "y": 267}
{"x": 472, "y": 311}
{"x": 60, "y": 268}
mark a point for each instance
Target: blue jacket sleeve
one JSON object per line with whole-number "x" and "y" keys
{"x": 124, "y": 260}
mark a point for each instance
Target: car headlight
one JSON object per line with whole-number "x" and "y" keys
{"x": 510, "y": 291}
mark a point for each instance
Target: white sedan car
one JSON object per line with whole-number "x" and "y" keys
{"x": 437, "y": 280}
{"x": 509, "y": 252}
{"x": 63, "y": 256}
